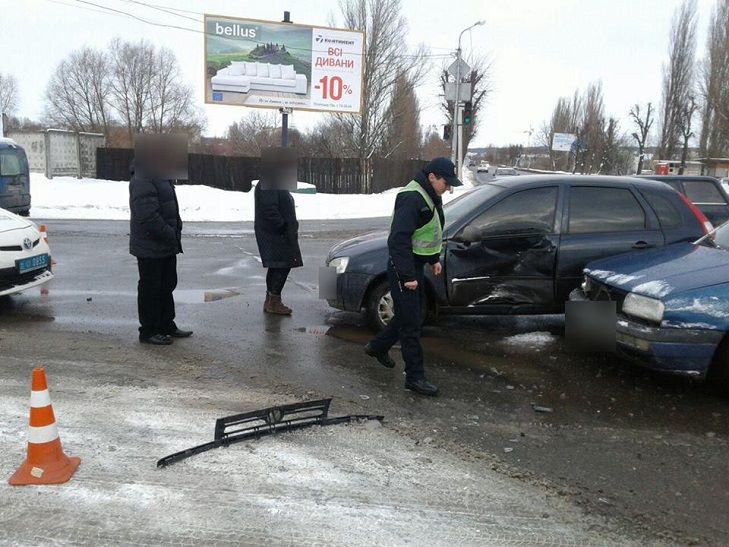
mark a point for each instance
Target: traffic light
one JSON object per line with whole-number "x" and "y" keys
{"x": 446, "y": 132}
{"x": 467, "y": 113}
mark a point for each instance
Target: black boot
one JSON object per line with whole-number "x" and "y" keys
{"x": 383, "y": 358}
{"x": 178, "y": 333}
{"x": 156, "y": 340}
{"x": 422, "y": 386}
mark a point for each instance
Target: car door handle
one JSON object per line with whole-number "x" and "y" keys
{"x": 641, "y": 245}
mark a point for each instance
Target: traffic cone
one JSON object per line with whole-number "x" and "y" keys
{"x": 44, "y": 235}
{"x": 43, "y": 232}
{"x": 46, "y": 463}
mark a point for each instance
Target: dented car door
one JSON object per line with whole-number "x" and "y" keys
{"x": 506, "y": 256}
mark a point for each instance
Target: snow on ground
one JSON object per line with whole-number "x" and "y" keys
{"x": 530, "y": 340}
{"x": 72, "y": 198}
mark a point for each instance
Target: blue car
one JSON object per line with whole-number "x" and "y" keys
{"x": 14, "y": 178}
{"x": 672, "y": 305}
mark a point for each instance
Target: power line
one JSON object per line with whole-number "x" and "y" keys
{"x": 133, "y": 16}
{"x": 83, "y": 8}
{"x": 113, "y": 11}
{"x": 163, "y": 9}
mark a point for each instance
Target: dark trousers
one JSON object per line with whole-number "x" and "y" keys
{"x": 405, "y": 325}
{"x": 276, "y": 279}
{"x": 157, "y": 281}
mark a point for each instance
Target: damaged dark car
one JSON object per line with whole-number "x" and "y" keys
{"x": 520, "y": 248}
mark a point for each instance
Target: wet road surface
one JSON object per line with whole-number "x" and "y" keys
{"x": 646, "y": 450}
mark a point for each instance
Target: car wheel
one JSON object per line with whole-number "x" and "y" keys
{"x": 380, "y": 308}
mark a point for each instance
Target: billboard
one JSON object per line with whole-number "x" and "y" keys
{"x": 268, "y": 64}
{"x": 562, "y": 142}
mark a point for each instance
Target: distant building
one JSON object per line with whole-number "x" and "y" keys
{"x": 716, "y": 167}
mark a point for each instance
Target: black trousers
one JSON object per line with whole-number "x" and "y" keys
{"x": 405, "y": 325}
{"x": 276, "y": 279}
{"x": 157, "y": 281}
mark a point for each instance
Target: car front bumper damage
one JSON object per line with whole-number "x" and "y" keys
{"x": 682, "y": 351}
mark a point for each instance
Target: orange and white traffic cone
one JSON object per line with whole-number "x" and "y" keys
{"x": 46, "y": 463}
{"x": 44, "y": 235}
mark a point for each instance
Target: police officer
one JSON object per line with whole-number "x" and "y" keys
{"x": 416, "y": 239}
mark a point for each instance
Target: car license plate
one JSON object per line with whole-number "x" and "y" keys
{"x": 32, "y": 263}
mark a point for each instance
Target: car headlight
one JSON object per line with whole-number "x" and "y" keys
{"x": 340, "y": 264}
{"x": 646, "y": 308}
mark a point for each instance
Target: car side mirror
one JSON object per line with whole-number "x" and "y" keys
{"x": 470, "y": 234}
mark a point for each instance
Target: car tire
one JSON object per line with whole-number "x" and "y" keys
{"x": 25, "y": 213}
{"x": 379, "y": 307}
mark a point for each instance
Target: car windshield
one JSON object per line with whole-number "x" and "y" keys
{"x": 12, "y": 163}
{"x": 462, "y": 206}
{"x": 718, "y": 238}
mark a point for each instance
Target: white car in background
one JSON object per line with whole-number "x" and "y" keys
{"x": 25, "y": 257}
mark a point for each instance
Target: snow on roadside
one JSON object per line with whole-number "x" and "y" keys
{"x": 72, "y": 198}
{"x": 536, "y": 340}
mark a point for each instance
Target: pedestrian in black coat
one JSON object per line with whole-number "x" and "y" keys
{"x": 155, "y": 238}
{"x": 277, "y": 235}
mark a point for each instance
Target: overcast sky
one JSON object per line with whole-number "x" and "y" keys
{"x": 540, "y": 49}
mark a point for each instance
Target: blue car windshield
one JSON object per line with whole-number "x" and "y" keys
{"x": 464, "y": 205}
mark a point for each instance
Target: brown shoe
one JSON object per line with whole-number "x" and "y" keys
{"x": 274, "y": 305}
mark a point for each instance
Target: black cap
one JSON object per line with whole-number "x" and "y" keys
{"x": 443, "y": 167}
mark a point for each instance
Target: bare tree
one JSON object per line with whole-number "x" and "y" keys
{"x": 147, "y": 90}
{"x": 481, "y": 86}
{"x": 8, "y": 94}
{"x": 714, "y": 140}
{"x": 434, "y": 145}
{"x": 641, "y": 135}
{"x": 255, "y": 131}
{"x": 132, "y": 67}
{"x": 592, "y": 128}
{"x": 678, "y": 76}
{"x": 685, "y": 121}
{"x": 77, "y": 95}
{"x": 565, "y": 118}
{"x": 386, "y": 59}
{"x": 402, "y": 137}
{"x": 171, "y": 107}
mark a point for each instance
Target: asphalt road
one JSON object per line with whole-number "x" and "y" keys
{"x": 643, "y": 451}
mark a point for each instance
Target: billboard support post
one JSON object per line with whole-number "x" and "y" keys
{"x": 285, "y": 111}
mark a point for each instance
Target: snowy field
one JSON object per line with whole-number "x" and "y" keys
{"x": 72, "y": 198}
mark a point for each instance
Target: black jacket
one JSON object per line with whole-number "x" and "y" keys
{"x": 411, "y": 213}
{"x": 277, "y": 230}
{"x": 155, "y": 228}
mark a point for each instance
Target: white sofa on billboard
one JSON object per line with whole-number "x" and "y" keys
{"x": 242, "y": 77}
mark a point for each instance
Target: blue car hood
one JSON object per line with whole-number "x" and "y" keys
{"x": 664, "y": 272}
{"x": 360, "y": 244}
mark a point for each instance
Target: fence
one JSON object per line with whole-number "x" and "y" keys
{"x": 329, "y": 175}
{"x": 56, "y": 152}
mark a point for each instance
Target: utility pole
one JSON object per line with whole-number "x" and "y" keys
{"x": 285, "y": 111}
{"x": 457, "y": 143}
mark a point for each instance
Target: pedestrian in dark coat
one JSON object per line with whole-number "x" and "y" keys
{"x": 277, "y": 235}
{"x": 155, "y": 238}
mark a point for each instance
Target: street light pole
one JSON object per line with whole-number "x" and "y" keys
{"x": 457, "y": 139}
